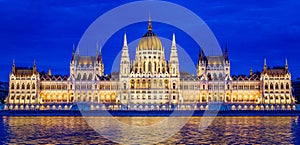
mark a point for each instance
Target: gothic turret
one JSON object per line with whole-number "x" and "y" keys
{"x": 99, "y": 61}
{"x": 202, "y": 61}
{"x": 174, "y": 63}
{"x": 125, "y": 60}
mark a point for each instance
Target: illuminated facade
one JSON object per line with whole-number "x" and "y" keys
{"x": 150, "y": 82}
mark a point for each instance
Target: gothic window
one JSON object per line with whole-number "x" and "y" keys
{"x": 266, "y": 86}
{"x": 203, "y": 87}
{"x": 276, "y": 86}
{"x": 174, "y": 85}
{"x": 138, "y": 83}
{"x": 287, "y": 86}
{"x": 173, "y": 70}
{"x": 79, "y": 77}
{"x": 124, "y": 85}
{"x": 90, "y": 77}
{"x": 215, "y": 76}
{"x": 271, "y": 86}
{"x": 220, "y": 75}
{"x": 28, "y": 86}
{"x": 149, "y": 83}
{"x": 12, "y": 86}
{"x": 281, "y": 86}
{"x": 33, "y": 86}
{"x": 149, "y": 67}
{"x": 154, "y": 66}
{"x": 84, "y": 77}
{"x": 209, "y": 76}
{"x": 23, "y": 86}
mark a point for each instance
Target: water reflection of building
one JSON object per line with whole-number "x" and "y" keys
{"x": 296, "y": 89}
{"x": 150, "y": 82}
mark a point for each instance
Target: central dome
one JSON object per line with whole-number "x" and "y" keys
{"x": 149, "y": 41}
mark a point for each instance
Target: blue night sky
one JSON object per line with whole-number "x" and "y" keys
{"x": 46, "y": 30}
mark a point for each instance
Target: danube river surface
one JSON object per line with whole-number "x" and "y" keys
{"x": 221, "y": 130}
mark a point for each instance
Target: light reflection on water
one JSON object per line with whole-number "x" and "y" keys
{"x": 223, "y": 130}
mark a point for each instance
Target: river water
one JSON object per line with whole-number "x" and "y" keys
{"x": 222, "y": 130}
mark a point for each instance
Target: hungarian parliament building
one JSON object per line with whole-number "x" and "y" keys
{"x": 150, "y": 82}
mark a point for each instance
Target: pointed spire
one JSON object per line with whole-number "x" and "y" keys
{"x": 173, "y": 41}
{"x": 13, "y": 66}
{"x": 97, "y": 49}
{"x": 73, "y": 52}
{"x": 251, "y": 71}
{"x": 202, "y": 55}
{"x": 125, "y": 41}
{"x": 265, "y": 64}
{"x": 149, "y": 24}
{"x": 286, "y": 64}
{"x": 34, "y": 65}
{"x": 49, "y": 72}
{"x": 125, "y": 48}
{"x": 226, "y": 51}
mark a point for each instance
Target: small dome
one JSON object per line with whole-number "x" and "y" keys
{"x": 150, "y": 41}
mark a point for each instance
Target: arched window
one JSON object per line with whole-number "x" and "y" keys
{"x": 154, "y": 66}
{"x": 33, "y": 85}
{"x": 144, "y": 67}
{"x": 149, "y": 67}
{"x": 12, "y": 86}
{"x": 28, "y": 86}
{"x": 90, "y": 77}
{"x": 209, "y": 76}
{"x": 220, "y": 75}
{"x": 271, "y": 86}
{"x": 287, "y": 86}
{"x": 23, "y": 86}
{"x": 174, "y": 85}
{"x": 79, "y": 77}
{"x": 276, "y": 86}
{"x": 215, "y": 76}
{"x": 281, "y": 86}
{"x": 84, "y": 77}
{"x": 124, "y": 85}
{"x": 266, "y": 86}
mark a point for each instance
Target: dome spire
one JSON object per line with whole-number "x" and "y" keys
{"x": 149, "y": 24}
{"x": 265, "y": 64}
